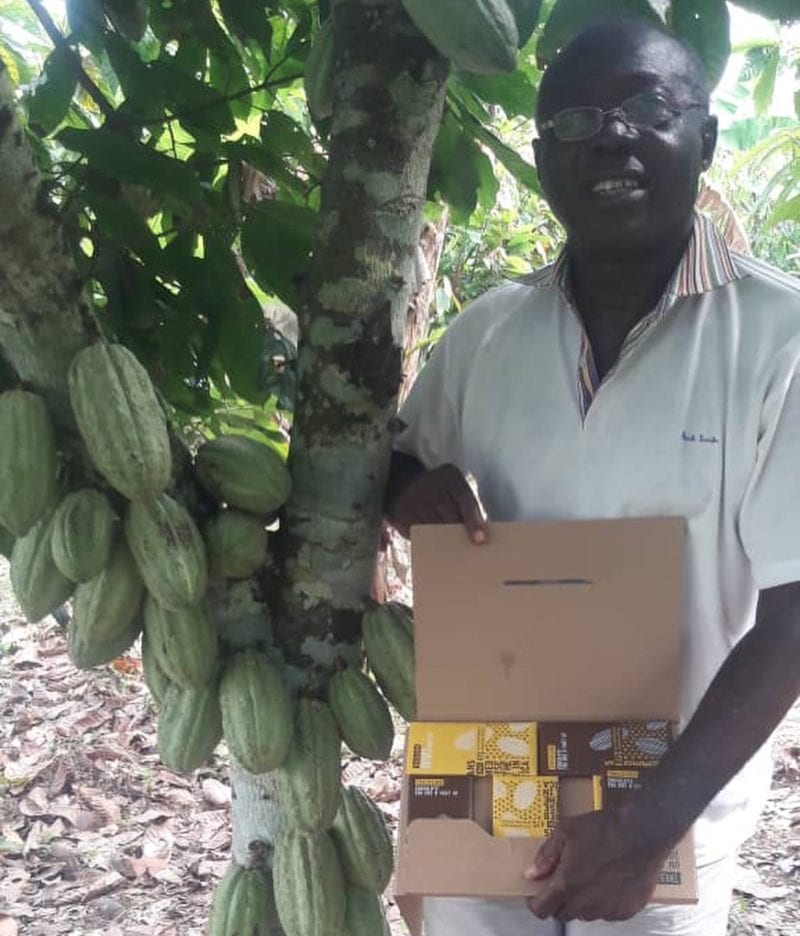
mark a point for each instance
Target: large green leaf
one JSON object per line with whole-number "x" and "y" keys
{"x": 705, "y": 25}
{"x": 123, "y": 159}
{"x": 526, "y": 13}
{"x": 786, "y": 211}
{"x": 247, "y": 20}
{"x": 276, "y": 240}
{"x": 788, "y": 10}
{"x": 514, "y": 92}
{"x": 50, "y": 101}
{"x": 764, "y": 89}
{"x": 87, "y": 22}
{"x": 569, "y": 16}
{"x": 458, "y": 171}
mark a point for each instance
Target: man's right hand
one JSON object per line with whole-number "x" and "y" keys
{"x": 441, "y": 495}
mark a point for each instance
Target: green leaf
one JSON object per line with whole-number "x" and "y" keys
{"x": 786, "y": 211}
{"x": 276, "y": 241}
{"x": 247, "y": 20}
{"x": 87, "y": 23}
{"x": 526, "y": 13}
{"x": 129, "y": 17}
{"x": 459, "y": 170}
{"x": 523, "y": 171}
{"x": 569, "y": 16}
{"x": 705, "y": 25}
{"x": 117, "y": 220}
{"x": 787, "y": 10}
{"x": 286, "y": 139}
{"x": 514, "y": 92}
{"x": 128, "y": 161}
{"x": 50, "y": 101}
{"x": 765, "y": 86}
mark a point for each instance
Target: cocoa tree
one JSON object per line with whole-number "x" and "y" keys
{"x": 163, "y": 183}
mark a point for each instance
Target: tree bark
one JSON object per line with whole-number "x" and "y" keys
{"x": 389, "y": 92}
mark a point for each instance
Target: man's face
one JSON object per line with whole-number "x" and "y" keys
{"x": 625, "y": 188}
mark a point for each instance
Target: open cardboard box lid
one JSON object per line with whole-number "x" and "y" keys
{"x": 549, "y": 621}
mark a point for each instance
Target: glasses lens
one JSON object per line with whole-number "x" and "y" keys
{"x": 577, "y": 123}
{"x": 647, "y": 110}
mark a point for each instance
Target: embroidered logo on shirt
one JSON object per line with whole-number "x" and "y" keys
{"x": 699, "y": 437}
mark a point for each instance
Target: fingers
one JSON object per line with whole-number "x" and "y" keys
{"x": 547, "y": 857}
{"x": 469, "y": 511}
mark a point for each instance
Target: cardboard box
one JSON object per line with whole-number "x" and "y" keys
{"x": 551, "y": 621}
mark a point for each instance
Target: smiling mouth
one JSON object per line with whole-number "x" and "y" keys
{"x": 615, "y": 186}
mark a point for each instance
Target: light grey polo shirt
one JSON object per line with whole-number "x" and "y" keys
{"x": 699, "y": 418}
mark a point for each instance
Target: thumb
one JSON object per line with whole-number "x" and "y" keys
{"x": 546, "y": 858}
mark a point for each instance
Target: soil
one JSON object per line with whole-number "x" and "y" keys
{"x": 96, "y": 837}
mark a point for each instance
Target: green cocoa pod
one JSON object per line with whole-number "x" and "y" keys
{"x": 189, "y": 726}
{"x": 183, "y": 642}
{"x": 6, "y": 542}
{"x": 120, "y": 420}
{"x": 390, "y": 653}
{"x": 83, "y": 531}
{"x": 364, "y": 913}
{"x": 236, "y": 544}
{"x": 362, "y": 715}
{"x": 318, "y": 78}
{"x": 309, "y": 782}
{"x": 38, "y": 585}
{"x": 243, "y": 904}
{"x": 256, "y": 711}
{"x": 28, "y": 460}
{"x": 155, "y": 678}
{"x": 168, "y": 550}
{"x": 106, "y": 617}
{"x": 244, "y": 473}
{"x": 363, "y": 841}
{"x": 309, "y": 885}
{"x": 477, "y": 35}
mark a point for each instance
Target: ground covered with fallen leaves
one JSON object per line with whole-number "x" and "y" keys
{"x": 97, "y": 837}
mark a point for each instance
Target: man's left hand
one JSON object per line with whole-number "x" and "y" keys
{"x": 598, "y": 866}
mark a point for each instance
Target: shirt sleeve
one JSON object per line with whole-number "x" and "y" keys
{"x": 769, "y": 521}
{"x": 429, "y": 428}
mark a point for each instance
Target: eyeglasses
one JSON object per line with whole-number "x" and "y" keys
{"x": 644, "y": 111}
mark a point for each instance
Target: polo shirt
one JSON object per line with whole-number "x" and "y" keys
{"x": 699, "y": 418}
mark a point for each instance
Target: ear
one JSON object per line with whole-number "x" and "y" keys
{"x": 708, "y": 134}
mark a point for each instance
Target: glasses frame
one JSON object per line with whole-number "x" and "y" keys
{"x": 618, "y": 111}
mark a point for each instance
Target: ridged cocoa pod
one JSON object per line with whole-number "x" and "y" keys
{"x": 318, "y": 78}
{"x": 155, "y": 678}
{"x": 361, "y": 713}
{"x": 309, "y": 885}
{"x": 236, "y": 544}
{"x": 106, "y": 617}
{"x": 476, "y": 35}
{"x": 389, "y": 643}
{"x": 244, "y": 904}
{"x": 364, "y": 914}
{"x": 38, "y": 585}
{"x": 363, "y": 841}
{"x": 183, "y": 642}
{"x": 120, "y": 420}
{"x": 256, "y": 711}
{"x": 168, "y": 550}
{"x": 246, "y": 474}
{"x": 83, "y": 533}
{"x": 189, "y": 726}
{"x": 309, "y": 781}
{"x": 28, "y": 460}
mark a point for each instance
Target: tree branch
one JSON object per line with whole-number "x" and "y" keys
{"x": 72, "y": 57}
{"x": 209, "y": 105}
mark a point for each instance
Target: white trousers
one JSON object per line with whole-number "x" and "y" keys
{"x": 467, "y": 916}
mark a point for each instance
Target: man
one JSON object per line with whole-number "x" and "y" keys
{"x": 649, "y": 371}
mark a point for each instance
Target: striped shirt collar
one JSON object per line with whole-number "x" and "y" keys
{"x": 706, "y": 264}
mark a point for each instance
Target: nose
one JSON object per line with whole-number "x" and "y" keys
{"x": 615, "y": 132}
